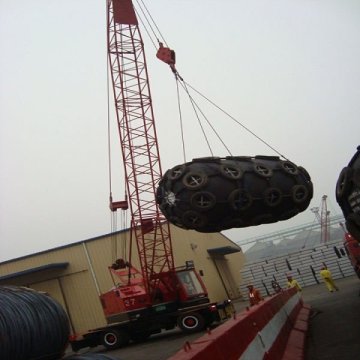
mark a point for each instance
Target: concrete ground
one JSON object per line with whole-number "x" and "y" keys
{"x": 335, "y": 322}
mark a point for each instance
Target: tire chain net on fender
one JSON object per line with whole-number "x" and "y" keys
{"x": 32, "y": 325}
{"x": 215, "y": 194}
{"x": 348, "y": 194}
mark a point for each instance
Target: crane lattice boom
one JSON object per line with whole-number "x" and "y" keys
{"x": 138, "y": 139}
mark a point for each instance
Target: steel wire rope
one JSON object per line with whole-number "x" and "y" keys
{"x": 177, "y": 76}
{"x": 157, "y": 36}
{"x": 239, "y": 123}
{"x": 181, "y": 120}
{"x": 146, "y": 29}
{"x": 27, "y": 318}
{"x": 149, "y": 23}
{"x": 199, "y": 121}
{"x": 206, "y": 119}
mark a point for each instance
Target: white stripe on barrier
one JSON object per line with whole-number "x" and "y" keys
{"x": 267, "y": 336}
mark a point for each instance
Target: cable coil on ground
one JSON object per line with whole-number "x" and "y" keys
{"x": 32, "y": 325}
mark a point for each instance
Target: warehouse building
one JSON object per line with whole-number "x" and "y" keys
{"x": 76, "y": 274}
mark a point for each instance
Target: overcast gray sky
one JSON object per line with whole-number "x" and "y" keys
{"x": 288, "y": 70}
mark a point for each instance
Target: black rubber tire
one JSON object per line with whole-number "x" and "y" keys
{"x": 299, "y": 193}
{"x": 272, "y": 197}
{"x": 240, "y": 200}
{"x": 194, "y": 180}
{"x": 262, "y": 170}
{"x": 176, "y": 172}
{"x": 193, "y": 220}
{"x": 203, "y": 200}
{"x": 191, "y": 323}
{"x": 231, "y": 172}
{"x": 290, "y": 168}
{"x": 114, "y": 338}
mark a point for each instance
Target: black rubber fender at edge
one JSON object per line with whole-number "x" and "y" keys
{"x": 213, "y": 194}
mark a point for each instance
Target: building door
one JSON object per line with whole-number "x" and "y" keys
{"x": 227, "y": 277}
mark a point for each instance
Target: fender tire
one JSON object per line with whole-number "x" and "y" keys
{"x": 262, "y": 170}
{"x": 203, "y": 200}
{"x": 193, "y": 219}
{"x": 240, "y": 197}
{"x": 290, "y": 168}
{"x": 231, "y": 171}
{"x": 195, "y": 180}
{"x": 299, "y": 194}
{"x": 272, "y": 197}
{"x": 176, "y": 172}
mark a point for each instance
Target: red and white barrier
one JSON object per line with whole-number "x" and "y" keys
{"x": 274, "y": 329}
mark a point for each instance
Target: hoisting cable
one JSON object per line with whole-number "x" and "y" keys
{"x": 181, "y": 121}
{"x": 141, "y": 6}
{"x": 199, "y": 121}
{"x": 185, "y": 86}
{"x": 206, "y": 119}
{"x": 146, "y": 14}
{"x": 239, "y": 123}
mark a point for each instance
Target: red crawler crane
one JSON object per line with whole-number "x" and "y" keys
{"x": 159, "y": 296}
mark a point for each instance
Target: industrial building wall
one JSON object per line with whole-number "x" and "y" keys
{"x": 73, "y": 287}
{"x": 221, "y": 274}
{"x": 77, "y": 286}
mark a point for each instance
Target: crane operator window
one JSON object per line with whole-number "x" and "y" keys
{"x": 190, "y": 282}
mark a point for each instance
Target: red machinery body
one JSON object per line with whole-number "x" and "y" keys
{"x": 182, "y": 286}
{"x": 352, "y": 247}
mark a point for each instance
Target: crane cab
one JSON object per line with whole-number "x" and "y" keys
{"x": 191, "y": 288}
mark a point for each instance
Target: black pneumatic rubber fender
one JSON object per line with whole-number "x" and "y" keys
{"x": 347, "y": 193}
{"x": 191, "y": 322}
{"x": 215, "y": 194}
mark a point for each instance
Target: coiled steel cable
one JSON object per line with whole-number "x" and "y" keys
{"x": 32, "y": 325}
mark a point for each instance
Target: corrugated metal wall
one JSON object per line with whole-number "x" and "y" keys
{"x": 77, "y": 286}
